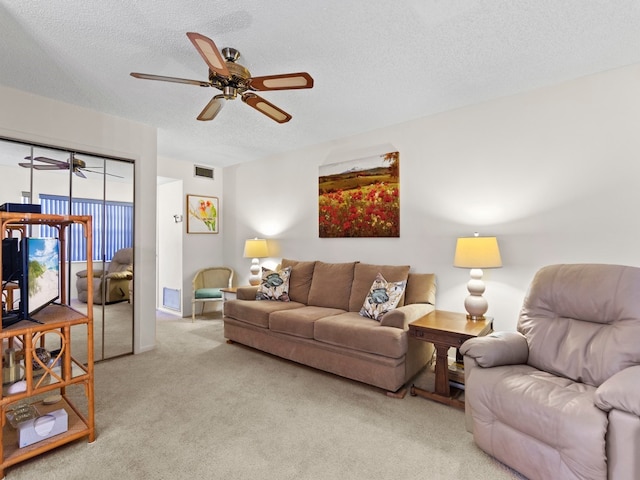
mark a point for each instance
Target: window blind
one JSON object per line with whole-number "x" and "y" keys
{"x": 112, "y": 225}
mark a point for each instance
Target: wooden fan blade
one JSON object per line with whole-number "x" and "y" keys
{"x": 60, "y": 163}
{"x": 269, "y": 109}
{"x": 209, "y": 52}
{"x": 146, "y": 76}
{"x": 41, "y": 167}
{"x": 212, "y": 109}
{"x": 101, "y": 173}
{"x": 286, "y": 81}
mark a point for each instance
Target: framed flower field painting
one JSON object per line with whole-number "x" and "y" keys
{"x": 202, "y": 214}
{"x": 360, "y": 198}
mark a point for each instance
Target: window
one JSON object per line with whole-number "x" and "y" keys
{"x": 112, "y": 227}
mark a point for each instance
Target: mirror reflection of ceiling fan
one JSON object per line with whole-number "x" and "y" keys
{"x": 233, "y": 79}
{"x": 79, "y": 166}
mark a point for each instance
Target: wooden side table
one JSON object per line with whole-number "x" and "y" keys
{"x": 229, "y": 293}
{"x": 446, "y": 330}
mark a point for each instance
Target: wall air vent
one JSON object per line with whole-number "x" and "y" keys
{"x": 171, "y": 298}
{"x": 203, "y": 172}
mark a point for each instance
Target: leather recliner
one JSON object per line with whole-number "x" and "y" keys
{"x": 560, "y": 398}
{"x": 115, "y": 285}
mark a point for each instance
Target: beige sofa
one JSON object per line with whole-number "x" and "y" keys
{"x": 560, "y": 398}
{"x": 321, "y": 326}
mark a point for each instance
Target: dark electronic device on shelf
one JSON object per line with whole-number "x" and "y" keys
{"x": 11, "y": 262}
{"x": 35, "y": 267}
{"x": 11, "y": 272}
{"x": 21, "y": 207}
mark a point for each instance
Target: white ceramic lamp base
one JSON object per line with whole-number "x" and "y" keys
{"x": 475, "y": 304}
{"x": 255, "y": 277}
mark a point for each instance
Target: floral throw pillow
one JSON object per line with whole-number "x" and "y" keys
{"x": 274, "y": 285}
{"x": 382, "y": 297}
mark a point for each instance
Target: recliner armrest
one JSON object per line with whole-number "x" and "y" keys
{"x": 620, "y": 392}
{"x": 126, "y": 275}
{"x": 83, "y": 274}
{"x": 401, "y": 317}
{"x": 497, "y": 348}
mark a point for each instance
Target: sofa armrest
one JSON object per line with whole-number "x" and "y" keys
{"x": 83, "y": 274}
{"x": 126, "y": 275}
{"x": 620, "y": 392}
{"x": 247, "y": 293}
{"x": 401, "y": 317}
{"x": 497, "y": 348}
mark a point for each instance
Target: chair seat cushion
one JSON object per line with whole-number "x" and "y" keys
{"x": 522, "y": 414}
{"x": 208, "y": 293}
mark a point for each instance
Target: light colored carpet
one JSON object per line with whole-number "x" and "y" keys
{"x": 198, "y": 408}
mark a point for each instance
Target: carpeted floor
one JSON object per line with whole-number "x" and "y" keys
{"x": 198, "y": 408}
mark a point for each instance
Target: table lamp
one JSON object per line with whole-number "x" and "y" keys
{"x": 476, "y": 253}
{"x": 255, "y": 248}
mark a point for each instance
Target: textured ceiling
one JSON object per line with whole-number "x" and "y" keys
{"x": 375, "y": 63}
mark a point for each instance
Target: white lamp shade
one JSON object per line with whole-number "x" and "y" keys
{"x": 256, "y": 248}
{"x": 477, "y": 252}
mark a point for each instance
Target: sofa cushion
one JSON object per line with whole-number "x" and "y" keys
{"x": 355, "y": 332}
{"x": 364, "y": 275}
{"x": 274, "y": 285}
{"x": 255, "y": 312}
{"x": 383, "y": 297}
{"x": 300, "y": 279}
{"x": 299, "y": 322}
{"x": 421, "y": 288}
{"x": 331, "y": 285}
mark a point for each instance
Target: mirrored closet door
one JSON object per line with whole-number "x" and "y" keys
{"x": 64, "y": 182}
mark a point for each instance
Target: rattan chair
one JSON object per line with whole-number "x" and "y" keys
{"x": 207, "y": 286}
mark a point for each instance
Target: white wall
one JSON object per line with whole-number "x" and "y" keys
{"x": 198, "y": 250}
{"x": 552, "y": 173}
{"x": 170, "y": 236}
{"x": 32, "y": 118}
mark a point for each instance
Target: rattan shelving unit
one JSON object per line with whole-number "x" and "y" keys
{"x": 57, "y": 321}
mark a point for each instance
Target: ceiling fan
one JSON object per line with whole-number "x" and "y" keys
{"x": 79, "y": 166}
{"x": 233, "y": 79}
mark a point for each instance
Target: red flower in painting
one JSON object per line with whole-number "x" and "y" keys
{"x": 369, "y": 211}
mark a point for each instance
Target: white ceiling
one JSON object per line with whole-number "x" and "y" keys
{"x": 374, "y": 62}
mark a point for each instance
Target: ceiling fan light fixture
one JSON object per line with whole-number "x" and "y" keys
{"x": 230, "y": 54}
{"x": 230, "y": 92}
